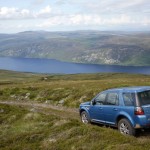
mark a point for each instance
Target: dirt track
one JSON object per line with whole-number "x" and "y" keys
{"x": 60, "y": 111}
{"x": 63, "y": 112}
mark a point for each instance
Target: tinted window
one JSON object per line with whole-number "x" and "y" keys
{"x": 100, "y": 99}
{"x": 144, "y": 97}
{"x": 128, "y": 99}
{"x": 112, "y": 99}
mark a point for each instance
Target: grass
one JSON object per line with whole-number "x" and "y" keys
{"x": 28, "y": 128}
{"x": 36, "y": 124}
{"x": 65, "y": 90}
{"x": 13, "y": 76}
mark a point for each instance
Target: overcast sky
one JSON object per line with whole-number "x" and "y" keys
{"x": 64, "y": 15}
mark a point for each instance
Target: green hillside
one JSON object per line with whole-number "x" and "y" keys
{"x": 41, "y": 112}
{"x": 45, "y": 129}
{"x": 96, "y": 47}
{"x": 71, "y": 89}
{"x": 65, "y": 90}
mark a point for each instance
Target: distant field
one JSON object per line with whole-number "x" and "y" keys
{"x": 64, "y": 90}
{"x": 13, "y": 76}
{"x": 40, "y": 112}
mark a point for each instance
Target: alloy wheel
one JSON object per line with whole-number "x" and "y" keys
{"x": 84, "y": 118}
{"x": 124, "y": 129}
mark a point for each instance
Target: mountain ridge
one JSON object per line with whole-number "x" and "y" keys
{"x": 94, "y": 47}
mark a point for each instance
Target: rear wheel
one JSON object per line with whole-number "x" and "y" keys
{"x": 125, "y": 127}
{"x": 84, "y": 117}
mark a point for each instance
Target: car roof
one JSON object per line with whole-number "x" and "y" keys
{"x": 131, "y": 89}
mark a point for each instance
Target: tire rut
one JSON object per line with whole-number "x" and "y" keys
{"x": 63, "y": 112}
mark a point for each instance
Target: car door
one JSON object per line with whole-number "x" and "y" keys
{"x": 111, "y": 107}
{"x": 96, "y": 108}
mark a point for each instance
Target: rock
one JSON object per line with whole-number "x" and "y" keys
{"x": 13, "y": 96}
{"x": 1, "y": 110}
{"x": 27, "y": 95}
{"x": 48, "y": 101}
{"x": 44, "y": 78}
{"x": 33, "y": 110}
{"x": 61, "y": 101}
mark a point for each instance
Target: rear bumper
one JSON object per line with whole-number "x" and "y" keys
{"x": 142, "y": 122}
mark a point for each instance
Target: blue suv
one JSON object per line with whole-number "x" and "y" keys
{"x": 127, "y": 108}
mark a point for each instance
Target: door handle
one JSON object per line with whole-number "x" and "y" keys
{"x": 115, "y": 109}
{"x": 100, "y": 108}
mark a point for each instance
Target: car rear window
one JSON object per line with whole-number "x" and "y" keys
{"x": 144, "y": 97}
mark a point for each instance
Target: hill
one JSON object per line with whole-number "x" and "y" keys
{"x": 32, "y": 127}
{"x": 40, "y": 112}
{"x": 119, "y": 48}
{"x": 62, "y": 90}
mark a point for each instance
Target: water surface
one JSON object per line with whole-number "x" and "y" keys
{"x": 37, "y": 65}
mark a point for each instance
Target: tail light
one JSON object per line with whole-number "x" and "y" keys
{"x": 139, "y": 111}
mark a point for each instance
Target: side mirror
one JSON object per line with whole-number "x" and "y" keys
{"x": 93, "y": 102}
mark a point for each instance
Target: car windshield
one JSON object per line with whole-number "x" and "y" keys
{"x": 144, "y": 97}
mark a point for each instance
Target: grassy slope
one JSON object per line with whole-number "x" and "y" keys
{"x": 13, "y": 76}
{"x": 30, "y": 127}
{"x": 66, "y": 90}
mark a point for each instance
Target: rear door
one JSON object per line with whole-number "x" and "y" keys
{"x": 111, "y": 107}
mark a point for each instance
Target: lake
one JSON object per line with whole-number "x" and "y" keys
{"x": 37, "y": 65}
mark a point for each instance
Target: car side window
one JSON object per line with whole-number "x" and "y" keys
{"x": 128, "y": 99}
{"x": 100, "y": 99}
{"x": 112, "y": 99}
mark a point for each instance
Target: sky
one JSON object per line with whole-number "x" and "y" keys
{"x": 69, "y": 15}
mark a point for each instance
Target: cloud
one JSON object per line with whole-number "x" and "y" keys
{"x": 146, "y": 21}
{"x": 6, "y": 12}
{"x": 91, "y": 20}
{"x": 25, "y": 12}
{"x": 111, "y": 6}
{"x": 14, "y": 13}
{"x": 47, "y": 9}
{"x": 74, "y": 13}
{"x": 45, "y": 12}
{"x": 129, "y": 6}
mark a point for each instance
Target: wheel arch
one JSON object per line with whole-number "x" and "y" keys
{"x": 125, "y": 116}
{"x": 86, "y": 110}
{"x": 83, "y": 109}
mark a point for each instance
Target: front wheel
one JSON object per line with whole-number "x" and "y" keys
{"x": 125, "y": 127}
{"x": 84, "y": 117}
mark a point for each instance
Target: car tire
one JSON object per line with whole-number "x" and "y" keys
{"x": 125, "y": 127}
{"x": 85, "y": 118}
